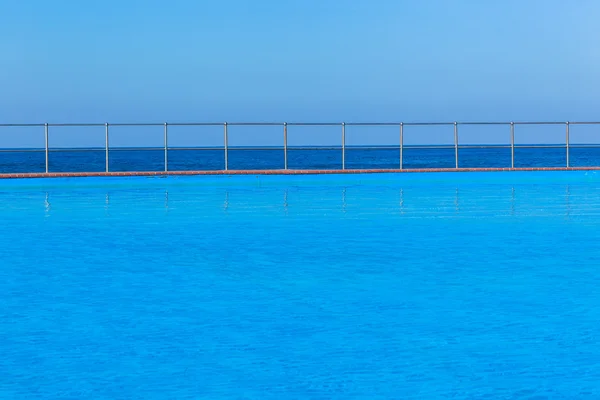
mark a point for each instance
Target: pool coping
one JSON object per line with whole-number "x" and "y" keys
{"x": 280, "y": 172}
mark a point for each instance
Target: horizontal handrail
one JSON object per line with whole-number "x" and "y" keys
{"x": 344, "y": 147}
{"x": 416, "y": 123}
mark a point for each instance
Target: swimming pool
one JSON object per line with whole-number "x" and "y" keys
{"x": 414, "y": 286}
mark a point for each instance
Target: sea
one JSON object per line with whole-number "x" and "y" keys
{"x": 247, "y": 158}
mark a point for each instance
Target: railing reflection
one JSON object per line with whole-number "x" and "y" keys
{"x": 512, "y": 201}
{"x": 568, "y": 201}
{"x": 47, "y": 205}
{"x": 458, "y": 200}
{"x": 401, "y": 201}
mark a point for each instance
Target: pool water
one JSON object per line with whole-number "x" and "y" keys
{"x": 384, "y": 286}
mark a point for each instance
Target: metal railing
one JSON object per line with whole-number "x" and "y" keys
{"x": 285, "y": 125}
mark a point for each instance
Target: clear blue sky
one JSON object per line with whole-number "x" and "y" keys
{"x": 184, "y": 60}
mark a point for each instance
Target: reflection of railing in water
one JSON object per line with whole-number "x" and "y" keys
{"x": 226, "y": 148}
{"x": 512, "y": 201}
{"x": 568, "y": 201}
{"x": 343, "y": 204}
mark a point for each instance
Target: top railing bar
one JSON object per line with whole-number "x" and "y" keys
{"x": 483, "y": 123}
{"x": 140, "y": 124}
{"x": 20, "y": 125}
{"x": 539, "y": 123}
{"x": 428, "y": 123}
{"x": 186, "y": 124}
{"x": 82, "y": 124}
{"x": 373, "y": 123}
{"x": 255, "y": 123}
{"x": 422, "y": 123}
{"x": 314, "y": 123}
{"x": 78, "y": 124}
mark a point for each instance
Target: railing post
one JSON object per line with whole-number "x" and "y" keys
{"x": 343, "y": 145}
{"x": 166, "y": 149}
{"x": 285, "y": 155}
{"x": 226, "y": 139}
{"x": 106, "y": 145}
{"x": 567, "y": 141}
{"x": 456, "y": 144}
{"x": 46, "y": 147}
{"x": 512, "y": 144}
{"x": 401, "y": 145}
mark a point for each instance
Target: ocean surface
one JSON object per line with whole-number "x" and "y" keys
{"x": 383, "y": 286}
{"x": 356, "y": 157}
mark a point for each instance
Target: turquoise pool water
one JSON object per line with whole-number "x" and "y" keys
{"x": 385, "y": 286}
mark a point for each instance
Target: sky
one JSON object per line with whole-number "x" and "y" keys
{"x": 296, "y": 60}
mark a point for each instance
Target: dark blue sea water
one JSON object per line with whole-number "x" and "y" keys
{"x": 359, "y": 158}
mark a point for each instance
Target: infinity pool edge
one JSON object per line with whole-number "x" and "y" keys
{"x": 281, "y": 172}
